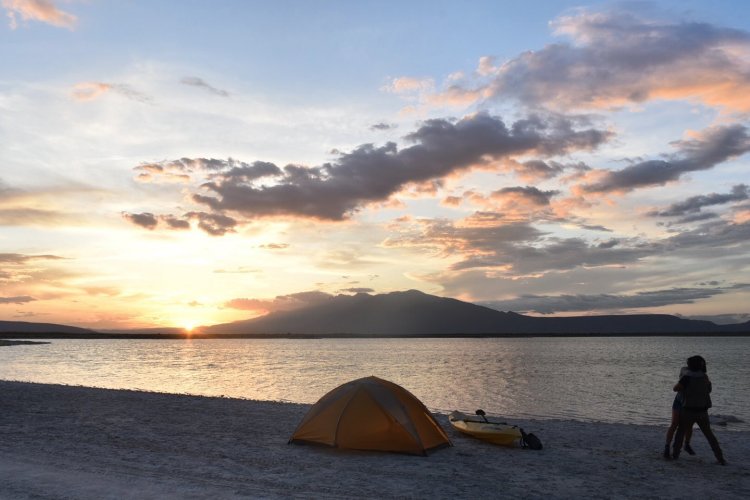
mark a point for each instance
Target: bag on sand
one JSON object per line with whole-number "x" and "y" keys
{"x": 530, "y": 441}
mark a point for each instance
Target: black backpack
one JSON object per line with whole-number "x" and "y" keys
{"x": 530, "y": 441}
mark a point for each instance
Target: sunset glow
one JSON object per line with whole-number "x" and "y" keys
{"x": 189, "y": 166}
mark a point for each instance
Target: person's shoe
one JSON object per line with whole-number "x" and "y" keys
{"x": 722, "y": 461}
{"x": 666, "y": 451}
{"x": 689, "y": 449}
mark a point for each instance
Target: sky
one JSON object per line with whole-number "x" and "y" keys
{"x": 190, "y": 163}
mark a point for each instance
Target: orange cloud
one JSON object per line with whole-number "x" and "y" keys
{"x": 38, "y": 10}
{"x": 88, "y": 91}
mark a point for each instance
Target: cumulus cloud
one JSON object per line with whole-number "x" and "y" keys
{"x": 372, "y": 174}
{"x": 173, "y": 222}
{"x": 695, "y": 204}
{"x": 183, "y": 169}
{"x": 88, "y": 91}
{"x": 44, "y": 11}
{"x": 279, "y": 303}
{"x": 213, "y": 224}
{"x": 549, "y": 304}
{"x": 704, "y": 151}
{"x": 146, "y": 220}
{"x": 194, "y": 81}
{"x": 616, "y": 57}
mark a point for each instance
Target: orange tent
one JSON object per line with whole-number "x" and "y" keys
{"x": 371, "y": 414}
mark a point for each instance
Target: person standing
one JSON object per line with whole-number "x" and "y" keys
{"x": 696, "y": 392}
{"x": 676, "y": 407}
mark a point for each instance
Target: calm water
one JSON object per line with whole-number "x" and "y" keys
{"x": 608, "y": 379}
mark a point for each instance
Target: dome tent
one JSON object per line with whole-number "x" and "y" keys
{"x": 371, "y": 414}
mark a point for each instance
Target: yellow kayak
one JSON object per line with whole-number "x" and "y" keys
{"x": 493, "y": 432}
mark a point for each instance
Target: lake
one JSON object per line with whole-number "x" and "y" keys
{"x": 621, "y": 379}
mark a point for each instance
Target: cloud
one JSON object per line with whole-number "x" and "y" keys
{"x": 370, "y": 174}
{"x": 21, "y": 299}
{"x": 615, "y": 58}
{"x": 174, "y": 222}
{"x": 239, "y": 270}
{"x": 556, "y": 254}
{"x": 705, "y": 150}
{"x": 194, "y": 81}
{"x": 213, "y": 224}
{"x": 528, "y": 195}
{"x": 488, "y": 241}
{"x": 88, "y": 91}
{"x": 383, "y": 126}
{"x": 549, "y": 304}
{"x": 695, "y": 204}
{"x": 724, "y": 319}
{"x": 279, "y": 303}
{"x": 183, "y": 169}
{"x": 17, "y": 258}
{"x": 146, "y": 220}
{"x": 711, "y": 236}
{"x": 33, "y": 216}
{"x": 38, "y": 10}
{"x": 405, "y": 84}
{"x": 357, "y": 290}
{"x": 275, "y": 246}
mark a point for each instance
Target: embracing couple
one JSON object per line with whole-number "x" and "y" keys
{"x": 690, "y": 407}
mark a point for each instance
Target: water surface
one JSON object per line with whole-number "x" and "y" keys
{"x": 623, "y": 379}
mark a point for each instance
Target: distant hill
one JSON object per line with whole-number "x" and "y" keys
{"x": 416, "y": 313}
{"x": 25, "y": 327}
{"x": 407, "y": 313}
{"x": 410, "y": 313}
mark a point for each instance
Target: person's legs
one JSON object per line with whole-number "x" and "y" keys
{"x": 670, "y": 432}
{"x": 688, "y": 437}
{"x": 687, "y": 420}
{"x": 705, "y": 426}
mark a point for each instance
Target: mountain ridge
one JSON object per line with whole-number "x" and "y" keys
{"x": 405, "y": 313}
{"x": 416, "y": 313}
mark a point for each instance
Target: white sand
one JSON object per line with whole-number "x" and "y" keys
{"x": 74, "y": 442}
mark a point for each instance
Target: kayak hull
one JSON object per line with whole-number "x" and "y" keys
{"x": 493, "y": 432}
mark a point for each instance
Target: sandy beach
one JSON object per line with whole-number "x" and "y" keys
{"x": 77, "y": 442}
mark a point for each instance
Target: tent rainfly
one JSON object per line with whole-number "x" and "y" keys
{"x": 371, "y": 414}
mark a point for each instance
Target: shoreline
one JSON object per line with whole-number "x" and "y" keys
{"x": 302, "y": 336}
{"x": 4, "y": 343}
{"x": 79, "y": 442}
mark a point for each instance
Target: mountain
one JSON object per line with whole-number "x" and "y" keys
{"x": 407, "y": 313}
{"x": 416, "y": 313}
{"x": 410, "y": 313}
{"x": 25, "y": 327}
